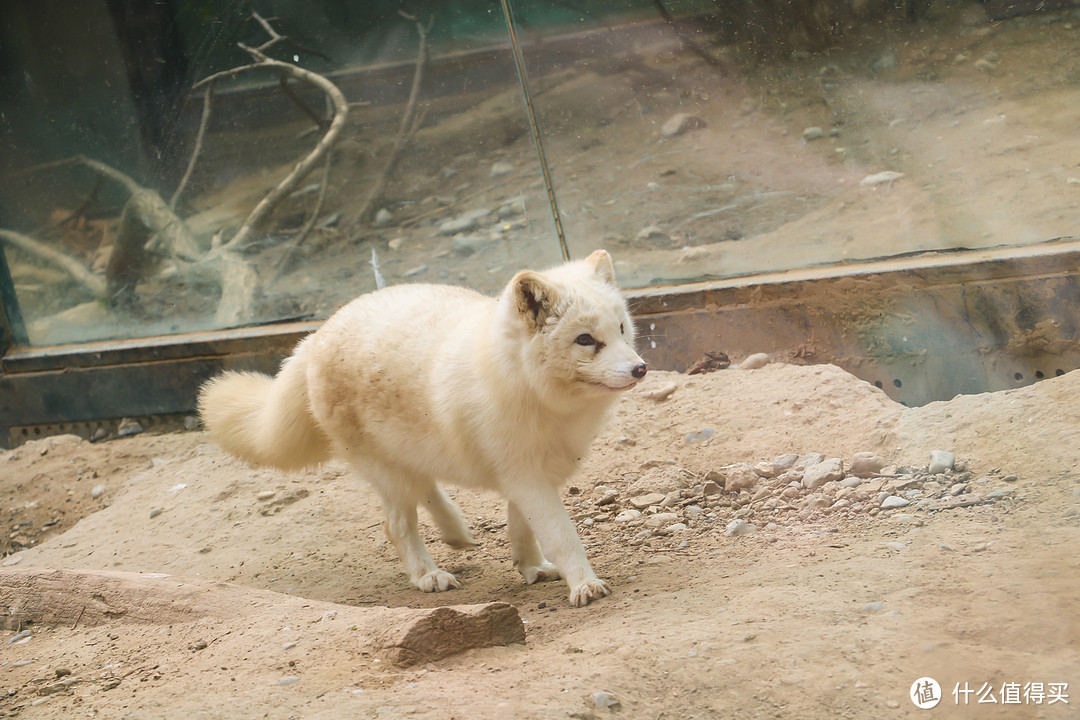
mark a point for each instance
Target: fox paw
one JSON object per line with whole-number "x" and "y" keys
{"x": 586, "y": 592}
{"x": 437, "y": 581}
{"x": 539, "y": 573}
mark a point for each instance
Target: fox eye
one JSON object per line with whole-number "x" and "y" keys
{"x": 585, "y": 339}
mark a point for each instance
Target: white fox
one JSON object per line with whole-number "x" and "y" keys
{"x": 417, "y": 383}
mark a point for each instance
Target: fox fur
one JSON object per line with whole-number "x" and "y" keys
{"x": 415, "y": 384}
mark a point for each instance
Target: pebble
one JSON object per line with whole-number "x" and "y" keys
{"x": 643, "y": 501}
{"x": 818, "y": 474}
{"x": 1002, "y": 493}
{"x": 265, "y": 494}
{"x": 740, "y": 476}
{"x": 25, "y": 634}
{"x": 784, "y": 462}
{"x": 873, "y": 607}
{"x": 711, "y": 488}
{"x": 1010, "y": 478}
{"x": 155, "y": 512}
{"x": 755, "y": 361}
{"x": 501, "y": 168}
{"x": 660, "y": 393}
{"x": 661, "y": 520}
{"x": 469, "y": 244}
{"x": 674, "y": 527}
{"x": 700, "y": 436}
{"x": 12, "y": 560}
{"x": 865, "y": 464}
{"x": 736, "y": 528}
{"x": 383, "y": 217}
{"x": 128, "y": 427}
{"x": 288, "y": 646}
{"x": 191, "y": 422}
{"x": 894, "y": 501}
{"x": 652, "y": 232}
{"x": 680, "y": 123}
{"x": 97, "y": 492}
{"x": 940, "y": 461}
{"x": 882, "y": 178}
{"x": 610, "y": 495}
{"x": 628, "y": 515}
{"x": 807, "y": 460}
{"x": 812, "y": 133}
{"x": 604, "y": 699}
{"x": 288, "y": 680}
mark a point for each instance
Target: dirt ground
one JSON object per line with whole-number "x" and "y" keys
{"x": 830, "y": 607}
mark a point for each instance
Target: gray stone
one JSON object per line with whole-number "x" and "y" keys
{"x": 812, "y": 133}
{"x": 818, "y": 474}
{"x": 604, "y": 699}
{"x": 807, "y": 460}
{"x": 894, "y": 501}
{"x": 700, "y": 436}
{"x": 383, "y": 217}
{"x": 501, "y": 168}
{"x": 628, "y": 515}
{"x": 941, "y": 461}
{"x": 128, "y": 427}
{"x": 784, "y": 462}
{"x": 97, "y": 492}
{"x": 155, "y": 512}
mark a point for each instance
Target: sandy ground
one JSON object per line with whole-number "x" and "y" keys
{"x": 831, "y": 607}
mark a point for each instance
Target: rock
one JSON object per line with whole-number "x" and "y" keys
{"x": 850, "y": 482}
{"x": 873, "y": 607}
{"x": 604, "y": 699}
{"x": 820, "y": 473}
{"x": 469, "y": 244}
{"x": 807, "y": 460}
{"x": 643, "y": 501}
{"x": 784, "y": 462}
{"x": 661, "y": 393}
{"x": 940, "y": 461}
{"x": 958, "y": 489}
{"x": 155, "y": 512}
{"x": 700, "y": 436}
{"x": 288, "y": 680}
{"x": 764, "y": 469}
{"x": 1010, "y": 478}
{"x": 265, "y": 494}
{"x": 755, "y": 361}
{"x": 652, "y": 233}
{"x": 510, "y": 208}
{"x": 999, "y": 494}
{"x": 660, "y": 520}
{"x": 680, "y": 123}
{"x": 610, "y": 495}
{"x": 128, "y": 427}
{"x": 675, "y": 527}
{"x": 865, "y": 465}
{"x": 671, "y": 499}
{"x": 628, "y": 515}
{"x": 812, "y": 133}
{"x": 383, "y": 217}
{"x": 97, "y": 492}
{"x": 192, "y": 422}
{"x": 736, "y": 528}
{"x": 500, "y": 168}
{"x": 888, "y": 177}
{"x": 100, "y": 434}
{"x": 710, "y": 488}
{"x": 894, "y": 501}
{"x": 985, "y": 65}
{"x": 740, "y": 476}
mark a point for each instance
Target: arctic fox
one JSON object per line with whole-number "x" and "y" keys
{"x": 418, "y": 383}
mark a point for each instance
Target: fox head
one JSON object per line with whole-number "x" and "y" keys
{"x": 578, "y": 334}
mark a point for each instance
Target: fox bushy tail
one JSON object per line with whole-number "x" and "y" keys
{"x": 264, "y": 420}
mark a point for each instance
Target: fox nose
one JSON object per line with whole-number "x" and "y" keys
{"x": 639, "y": 371}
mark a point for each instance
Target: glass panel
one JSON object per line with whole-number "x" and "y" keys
{"x": 743, "y": 137}
{"x": 108, "y": 234}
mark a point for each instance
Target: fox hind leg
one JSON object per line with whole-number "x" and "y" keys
{"x": 455, "y": 532}
{"x": 401, "y": 525}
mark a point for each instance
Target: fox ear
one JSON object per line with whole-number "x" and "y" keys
{"x": 601, "y": 264}
{"x": 534, "y": 298}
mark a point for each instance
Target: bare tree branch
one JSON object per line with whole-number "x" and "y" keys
{"x": 204, "y": 122}
{"x": 95, "y": 284}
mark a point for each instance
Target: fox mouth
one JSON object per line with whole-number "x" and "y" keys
{"x": 614, "y": 388}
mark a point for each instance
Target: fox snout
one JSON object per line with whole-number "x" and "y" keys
{"x": 639, "y": 371}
